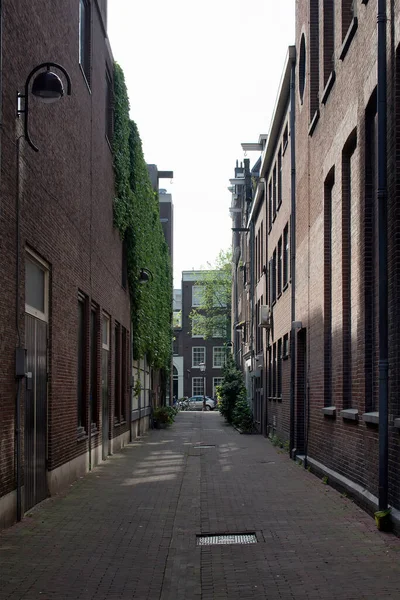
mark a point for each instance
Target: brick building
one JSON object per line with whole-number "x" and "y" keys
{"x": 191, "y": 349}
{"x": 332, "y": 314}
{"x": 69, "y": 306}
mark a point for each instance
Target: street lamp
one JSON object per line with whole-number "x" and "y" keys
{"x": 145, "y": 275}
{"x": 47, "y": 86}
{"x": 203, "y": 370}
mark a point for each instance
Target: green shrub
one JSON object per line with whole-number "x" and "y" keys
{"x": 242, "y": 416}
{"x": 162, "y": 414}
{"x": 231, "y": 388}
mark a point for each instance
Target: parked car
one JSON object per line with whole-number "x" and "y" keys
{"x": 196, "y": 403}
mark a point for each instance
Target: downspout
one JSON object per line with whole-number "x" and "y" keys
{"x": 292, "y": 256}
{"x": 19, "y": 348}
{"x": 383, "y": 252}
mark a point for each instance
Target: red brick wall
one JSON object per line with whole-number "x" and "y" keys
{"x": 66, "y": 212}
{"x": 345, "y": 446}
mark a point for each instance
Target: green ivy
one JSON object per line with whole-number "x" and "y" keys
{"x": 137, "y": 217}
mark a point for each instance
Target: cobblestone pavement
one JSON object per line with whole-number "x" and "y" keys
{"x": 128, "y": 529}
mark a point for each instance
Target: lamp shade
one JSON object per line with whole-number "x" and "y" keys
{"x": 48, "y": 87}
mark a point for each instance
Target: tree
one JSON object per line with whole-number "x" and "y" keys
{"x": 213, "y": 292}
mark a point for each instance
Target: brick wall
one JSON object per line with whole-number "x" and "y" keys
{"x": 66, "y": 217}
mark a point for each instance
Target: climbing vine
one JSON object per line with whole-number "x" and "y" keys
{"x": 137, "y": 217}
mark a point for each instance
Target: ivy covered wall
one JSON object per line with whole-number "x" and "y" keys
{"x": 137, "y": 217}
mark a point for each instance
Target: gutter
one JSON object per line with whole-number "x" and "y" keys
{"x": 292, "y": 252}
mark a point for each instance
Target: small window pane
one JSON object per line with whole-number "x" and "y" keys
{"x": 34, "y": 286}
{"x": 105, "y": 330}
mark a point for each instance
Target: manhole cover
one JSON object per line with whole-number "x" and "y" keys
{"x": 234, "y": 538}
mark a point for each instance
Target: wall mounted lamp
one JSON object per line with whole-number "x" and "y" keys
{"x": 47, "y": 86}
{"x": 145, "y": 275}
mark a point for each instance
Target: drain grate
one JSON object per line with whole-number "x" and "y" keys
{"x": 224, "y": 539}
{"x": 203, "y": 446}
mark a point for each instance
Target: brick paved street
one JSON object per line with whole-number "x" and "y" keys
{"x": 128, "y": 529}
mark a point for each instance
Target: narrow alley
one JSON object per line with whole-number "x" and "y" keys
{"x": 128, "y": 529}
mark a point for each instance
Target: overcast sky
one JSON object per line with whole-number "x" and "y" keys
{"x": 202, "y": 78}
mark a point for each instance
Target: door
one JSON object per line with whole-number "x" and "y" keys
{"x": 301, "y": 396}
{"x": 35, "y": 433}
{"x": 105, "y": 401}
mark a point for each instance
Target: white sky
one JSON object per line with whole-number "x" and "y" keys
{"x": 202, "y": 78}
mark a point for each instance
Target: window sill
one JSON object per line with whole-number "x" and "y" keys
{"x": 328, "y": 87}
{"x": 313, "y": 123}
{"x": 285, "y": 287}
{"x": 81, "y": 434}
{"x": 85, "y": 78}
{"x": 349, "y": 36}
{"x": 349, "y": 414}
{"x": 371, "y": 417}
{"x": 279, "y": 205}
{"x": 329, "y": 411}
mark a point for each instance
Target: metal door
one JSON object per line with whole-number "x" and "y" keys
{"x": 35, "y": 475}
{"x": 104, "y": 399}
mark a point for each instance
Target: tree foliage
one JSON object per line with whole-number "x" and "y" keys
{"x": 212, "y": 317}
{"x": 137, "y": 217}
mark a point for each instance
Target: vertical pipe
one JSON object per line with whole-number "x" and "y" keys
{"x": 17, "y": 318}
{"x": 292, "y": 256}
{"x": 383, "y": 268}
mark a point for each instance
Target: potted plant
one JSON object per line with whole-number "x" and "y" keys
{"x": 383, "y": 520}
{"x": 162, "y": 417}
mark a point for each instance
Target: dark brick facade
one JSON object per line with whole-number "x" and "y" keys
{"x": 66, "y": 218}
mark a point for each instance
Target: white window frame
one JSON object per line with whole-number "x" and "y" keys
{"x": 197, "y": 379}
{"x": 197, "y": 293}
{"x": 203, "y": 360}
{"x": 193, "y": 334}
{"x": 34, "y": 258}
{"x": 222, "y": 354}
{"x": 219, "y": 379}
{"x": 215, "y": 331}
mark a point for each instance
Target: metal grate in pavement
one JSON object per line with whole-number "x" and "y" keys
{"x": 234, "y": 538}
{"x": 203, "y": 446}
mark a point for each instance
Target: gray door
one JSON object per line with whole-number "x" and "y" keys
{"x": 35, "y": 475}
{"x": 105, "y": 403}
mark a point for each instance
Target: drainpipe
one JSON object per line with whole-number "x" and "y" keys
{"x": 292, "y": 256}
{"x": 383, "y": 268}
{"x": 19, "y": 371}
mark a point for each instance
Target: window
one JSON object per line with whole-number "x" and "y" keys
{"x": 279, "y": 370}
{"x": 109, "y": 107}
{"x": 197, "y": 295}
{"x": 197, "y": 326}
{"x": 285, "y": 139}
{"x": 314, "y": 57}
{"x": 279, "y": 267}
{"x": 124, "y": 278}
{"x": 286, "y": 256}
{"x": 36, "y": 288}
{"x": 198, "y": 386}
{"x": 328, "y": 187}
{"x": 274, "y": 184}
{"x": 219, "y": 327}
{"x": 279, "y": 178}
{"x": 329, "y": 38}
{"x": 216, "y": 382}
{"x": 219, "y": 354}
{"x": 84, "y": 37}
{"x": 272, "y": 278}
{"x": 117, "y": 376}
{"x": 302, "y": 67}
{"x": 81, "y": 392}
{"x": 198, "y": 356}
{"x": 285, "y": 349}
{"x": 274, "y": 387}
{"x": 270, "y": 373}
{"x": 94, "y": 390}
{"x": 124, "y": 374}
{"x": 270, "y": 205}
